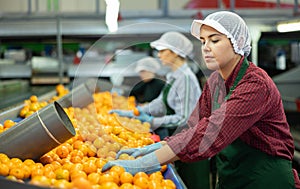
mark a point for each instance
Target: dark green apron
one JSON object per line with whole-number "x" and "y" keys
{"x": 165, "y": 92}
{"x": 241, "y": 166}
{"x": 163, "y": 131}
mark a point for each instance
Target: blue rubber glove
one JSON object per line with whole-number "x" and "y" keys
{"x": 123, "y": 113}
{"x": 135, "y": 152}
{"x": 143, "y": 117}
{"x": 148, "y": 164}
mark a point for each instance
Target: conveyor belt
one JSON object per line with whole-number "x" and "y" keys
{"x": 13, "y": 97}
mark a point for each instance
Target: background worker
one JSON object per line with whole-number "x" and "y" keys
{"x": 150, "y": 85}
{"x": 239, "y": 118}
{"x": 177, "y": 99}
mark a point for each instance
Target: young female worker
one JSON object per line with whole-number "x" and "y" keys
{"x": 239, "y": 118}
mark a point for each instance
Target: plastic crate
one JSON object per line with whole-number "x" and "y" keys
{"x": 172, "y": 174}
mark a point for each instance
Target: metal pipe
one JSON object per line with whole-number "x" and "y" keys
{"x": 37, "y": 6}
{"x": 29, "y": 7}
{"x": 232, "y": 5}
{"x": 164, "y": 6}
{"x": 97, "y": 7}
{"x": 59, "y": 48}
{"x": 296, "y": 4}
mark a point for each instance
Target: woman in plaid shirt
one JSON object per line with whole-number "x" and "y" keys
{"x": 239, "y": 118}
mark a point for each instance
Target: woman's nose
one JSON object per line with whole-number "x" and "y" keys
{"x": 205, "y": 47}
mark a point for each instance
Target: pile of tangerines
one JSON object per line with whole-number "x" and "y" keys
{"x": 77, "y": 163}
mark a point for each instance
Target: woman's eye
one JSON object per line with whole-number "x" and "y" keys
{"x": 215, "y": 41}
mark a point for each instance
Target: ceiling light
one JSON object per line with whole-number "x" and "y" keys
{"x": 112, "y": 12}
{"x": 288, "y": 26}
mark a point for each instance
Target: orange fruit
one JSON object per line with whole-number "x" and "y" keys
{"x": 109, "y": 185}
{"x": 168, "y": 183}
{"x": 89, "y": 167}
{"x": 36, "y": 172}
{"x": 115, "y": 176}
{"x": 27, "y": 171}
{"x": 50, "y": 174}
{"x": 29, "y": 162}
{"x": 163, "y": 168}
{"x": 76, "y": 174}
{"x": 155, "y": 184}
{"x": 4, "y": 170}
{"x": 46, "y": 159}
{"x": 62, "y": 174}
{"x": 76, "y": 167}
{"x": 142, "y": 182}
{"x": 40, "y": 181}
{"x": 117, "y": 169}
{"x": 48, "y": 167}
{"x": 17, "y": 172}
{"x": 81, "y": 183}
{"x": 140, "y": 174}
{"x": 75, "y": 159}
{"x": 100, "y": 162}
{"x": 62, "y": 151}
{"x": 126, "y": 177}
{"x": 61, "y": 184}
{"x": 94, "y": 178}
{"x": 136, "y": 112}
{"x": 156, "y": 176}
{"x": 126, "y": 186}
{"x": 33, "y": 98}
{"x": 106, "y": 178}
{"x": 8, "y": 123}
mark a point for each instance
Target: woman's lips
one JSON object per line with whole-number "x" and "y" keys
{"x": 207, "y": 58}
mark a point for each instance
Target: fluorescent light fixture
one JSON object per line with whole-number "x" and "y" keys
{"x": 288, "y": 26}
{"x": 112, "y": 12}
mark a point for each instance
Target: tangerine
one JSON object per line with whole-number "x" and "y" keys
{"x": 62, "y": 174}
{"x": 106, "y": 178}
{"x": 115, "y": 176}
{"x": 81, "y": 183}
{"x": 140, "y": 174}
{"x": 168, "y": 183}
{"x": 142, "y": 182}
{"x": 110, "y": 185}
{"x": 126, "y": 186}
{"x": 33, "y": 98}
{"x": 76, "y": 174}
{"x": 94, "y": 178}
{"x": 17, "y": 172}
{"x": 89, "y": 167}
{"x": 118, "y": 169}
{"x": 136, "y": 112}
{"x": 62, "y": 151}
{"x": 4, "y": 170}
{"x": 126, "y": 177}
{"x": 8, "y": 123}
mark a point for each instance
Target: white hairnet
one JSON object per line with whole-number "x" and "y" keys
{"x": 148, "y": 64}
{"x": 229, "y": 24}
{"x": 175, "y": 42}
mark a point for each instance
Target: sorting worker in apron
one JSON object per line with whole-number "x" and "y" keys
{"x": 239, "y": 118}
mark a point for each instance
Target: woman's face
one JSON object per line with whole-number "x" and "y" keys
{"x": 217, "y": 50}
{"x": 167, "y": 57}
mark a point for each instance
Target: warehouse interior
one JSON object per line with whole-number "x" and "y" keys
{"x": 44, "y": 43}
